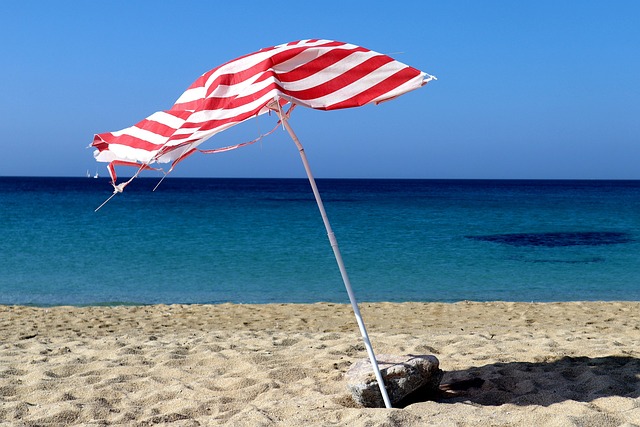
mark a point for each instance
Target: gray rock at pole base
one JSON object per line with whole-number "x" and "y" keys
{"x": 402, "y": 376}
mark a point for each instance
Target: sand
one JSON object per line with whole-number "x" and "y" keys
{"x": 556, "y": 364}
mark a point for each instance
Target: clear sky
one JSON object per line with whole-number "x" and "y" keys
{"x": 544, "y": 89}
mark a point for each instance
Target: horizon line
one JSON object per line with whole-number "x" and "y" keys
{"x": 326, "y": 178}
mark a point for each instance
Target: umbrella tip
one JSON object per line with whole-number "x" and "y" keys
{"x": 428, "y": 78}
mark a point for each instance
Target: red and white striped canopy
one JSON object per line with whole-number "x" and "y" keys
{"x": 320, "y": 74}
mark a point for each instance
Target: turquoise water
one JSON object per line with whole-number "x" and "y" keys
{"x": 262, "y": 240}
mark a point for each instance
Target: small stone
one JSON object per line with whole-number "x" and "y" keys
{"x": 402, "y": 375}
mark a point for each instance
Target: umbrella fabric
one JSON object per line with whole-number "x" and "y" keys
{"x": 320, "y": 74}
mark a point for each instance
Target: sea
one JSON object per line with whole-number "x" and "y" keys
{"x": 263, "y": 241}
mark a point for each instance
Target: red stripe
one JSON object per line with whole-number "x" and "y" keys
{"x": 240, "y": 76}
{"x": 231, "y": 103}
{"x": 181, "y": 158}
{"x": 216, "y": 123}
{"x": 102, "y": 141}
{"x": 155, "y": 127}
{"x": 213, "y": 124}
{"x": 377, "y": 90}
{"x": 168, "y": 149}
{"x": 99, "y": 143}
{"x": 339, "y": 82}
{"x": 217, "y": 103}
{"x": 112, "y": 173}
{"x": 113, "y": 164}
{"x": 129, "y": 141}
{"x": 201, "y": 81}
{"x": 181, "y": 114}
{"x": 314, "y": 66}
{"x": 224, "y": 79}
{"x": 318, "y": 64}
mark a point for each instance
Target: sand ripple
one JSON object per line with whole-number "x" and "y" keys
{"x": 560, "y": 364}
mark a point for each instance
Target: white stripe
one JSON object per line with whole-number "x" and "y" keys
{"x": 354, "y": 88}
{"x": 309, "y": 55}
{"x": 297, "y": 61}
{"x": 246, "y": 63}
{"x": 306, "y": 42}
{"x": 221, "y": 114}
{"x": 236, "y": 66}
{"x": 125, "y": 152}
{"x": 201, "y": 136}
{"x": 408, "y": 86}
{"x": 166, "y": 119}
{"x": 244, "y": 88}
{"x": 191, "y": 95}
{"x": 240, "y": 65}
{"x": 104, "y": 156}
{"x": 169, "y": 157}
{"x": 322, "y": 76}
{"x": 145, "y": 135}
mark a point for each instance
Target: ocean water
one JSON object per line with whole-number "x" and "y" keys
{"x": 263, "y": 241}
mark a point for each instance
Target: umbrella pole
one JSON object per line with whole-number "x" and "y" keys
{"x": 338, "y": 256}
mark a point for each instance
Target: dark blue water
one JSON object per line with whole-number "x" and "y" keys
{"x": 262, "y": 240}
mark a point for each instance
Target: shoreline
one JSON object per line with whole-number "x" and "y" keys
{"x": 561, "y": 363}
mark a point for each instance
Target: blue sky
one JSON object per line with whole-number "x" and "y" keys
{"x": 545, "y": 89}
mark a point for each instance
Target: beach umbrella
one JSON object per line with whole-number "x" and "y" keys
{"x": 319, "y": 74}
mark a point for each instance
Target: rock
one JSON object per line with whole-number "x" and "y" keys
{"x": 402, "y": 375}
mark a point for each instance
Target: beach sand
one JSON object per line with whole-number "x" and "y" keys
{"x": 553, "y": 364}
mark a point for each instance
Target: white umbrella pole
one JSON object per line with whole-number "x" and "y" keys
{"x": 343, "y": 271}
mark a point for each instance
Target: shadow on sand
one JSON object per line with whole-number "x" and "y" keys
{"x": 581, "y": 379}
